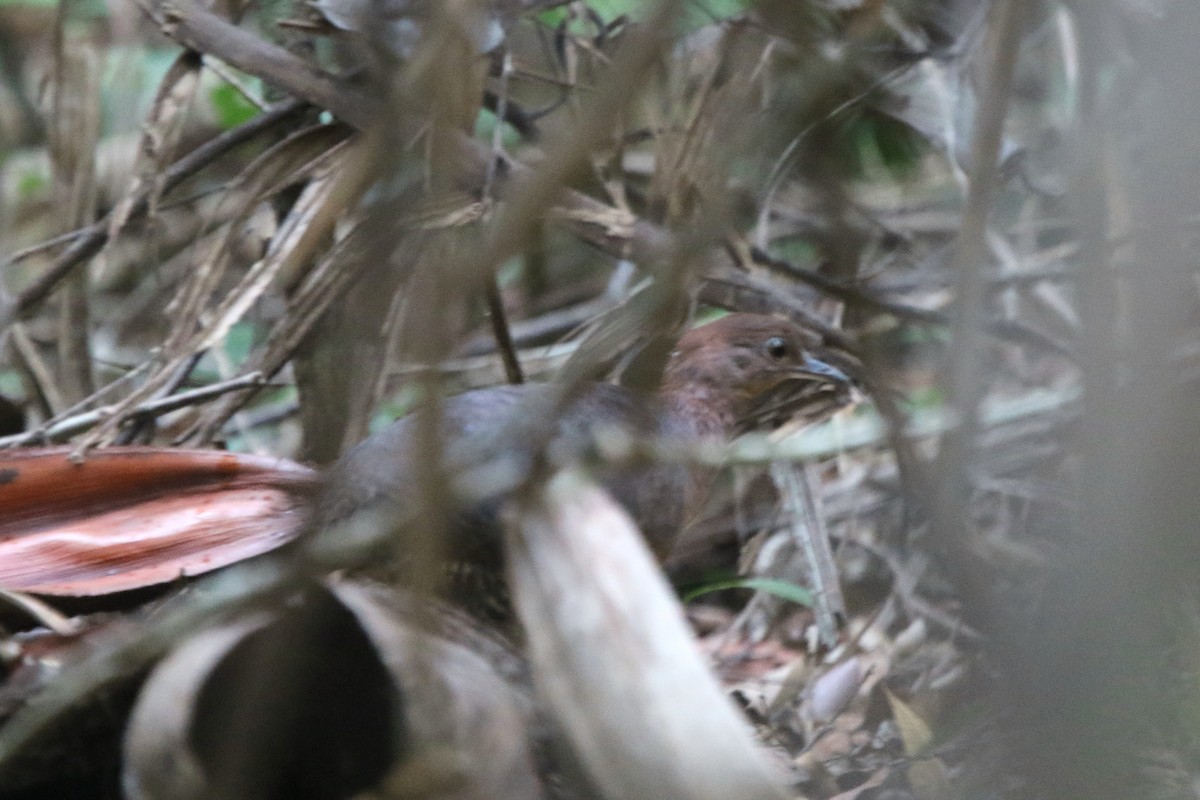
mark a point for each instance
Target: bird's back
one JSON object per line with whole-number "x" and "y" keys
{"x": 478, "y": 429}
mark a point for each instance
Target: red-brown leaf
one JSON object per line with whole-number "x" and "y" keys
{"x": 130, "y": 517}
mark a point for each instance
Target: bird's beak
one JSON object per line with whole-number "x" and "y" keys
{"x": 811, "y": 392}
{"x": 815, "y": 368}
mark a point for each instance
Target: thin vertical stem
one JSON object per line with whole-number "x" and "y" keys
{"x": 965, "y": 374}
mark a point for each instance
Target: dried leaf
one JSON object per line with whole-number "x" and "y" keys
{"x": 160, "y": 762}
{"x": 914, "y": 731}
{"x": 132, "y": 517}
{"x": 831, "y": 692}
{"x": 446, "y": 726}
{"x": 160, "y": 134}
{"x": 927, "y": 776}
{"x": 613, "y": 655}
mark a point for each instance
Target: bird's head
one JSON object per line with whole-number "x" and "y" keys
{"x": 757, "y": 370}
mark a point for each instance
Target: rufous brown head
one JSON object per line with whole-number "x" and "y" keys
{"x": 757, "y": 370}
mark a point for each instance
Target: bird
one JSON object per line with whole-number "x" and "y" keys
{"x": 741, "y": 372}
{"x": 90, "y": 528}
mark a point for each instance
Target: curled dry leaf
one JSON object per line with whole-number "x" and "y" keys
{"x": 159, "y": 760}
{"x": 612, "y": 654}
{"x": 161, "y": 132}
{"x": 130, "y": 517}
{"x": 831, "y": 692}
{"x": 373, "y": 701}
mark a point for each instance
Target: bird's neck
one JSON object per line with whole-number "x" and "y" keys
{"x": 700, "y": 408}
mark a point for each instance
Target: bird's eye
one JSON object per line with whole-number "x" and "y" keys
{"x": 777, "y": 347}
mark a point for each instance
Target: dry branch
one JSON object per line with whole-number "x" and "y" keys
{"x": 86, "y": 242}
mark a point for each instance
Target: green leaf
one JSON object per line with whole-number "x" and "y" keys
{"x": 11, "y": 383}
{"x": 231, "y": 106}
{"x": 485, "y": 124}
{"x": 30, "y": 184}
{"x": 239, "y": 340}
{"x": 780, "y": 588}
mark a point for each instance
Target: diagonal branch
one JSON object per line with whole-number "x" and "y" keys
{"x": 88, "y": 241}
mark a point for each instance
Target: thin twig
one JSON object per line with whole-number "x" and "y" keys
{"x": 40, "y": 375}
{"x": 495, "y": 302}
{"x": 965, "y": 383}
{"x": 153, "y": 408}
{"x": 42, "y": 613}
{"x": 810, "y": 536}
{"x": 88, "y": 241}
{"x": 140, "y": 422}
{"x": 221, "y": 71}
{"x": 1005, "y": 329}
{"x": 612, "y": 230}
